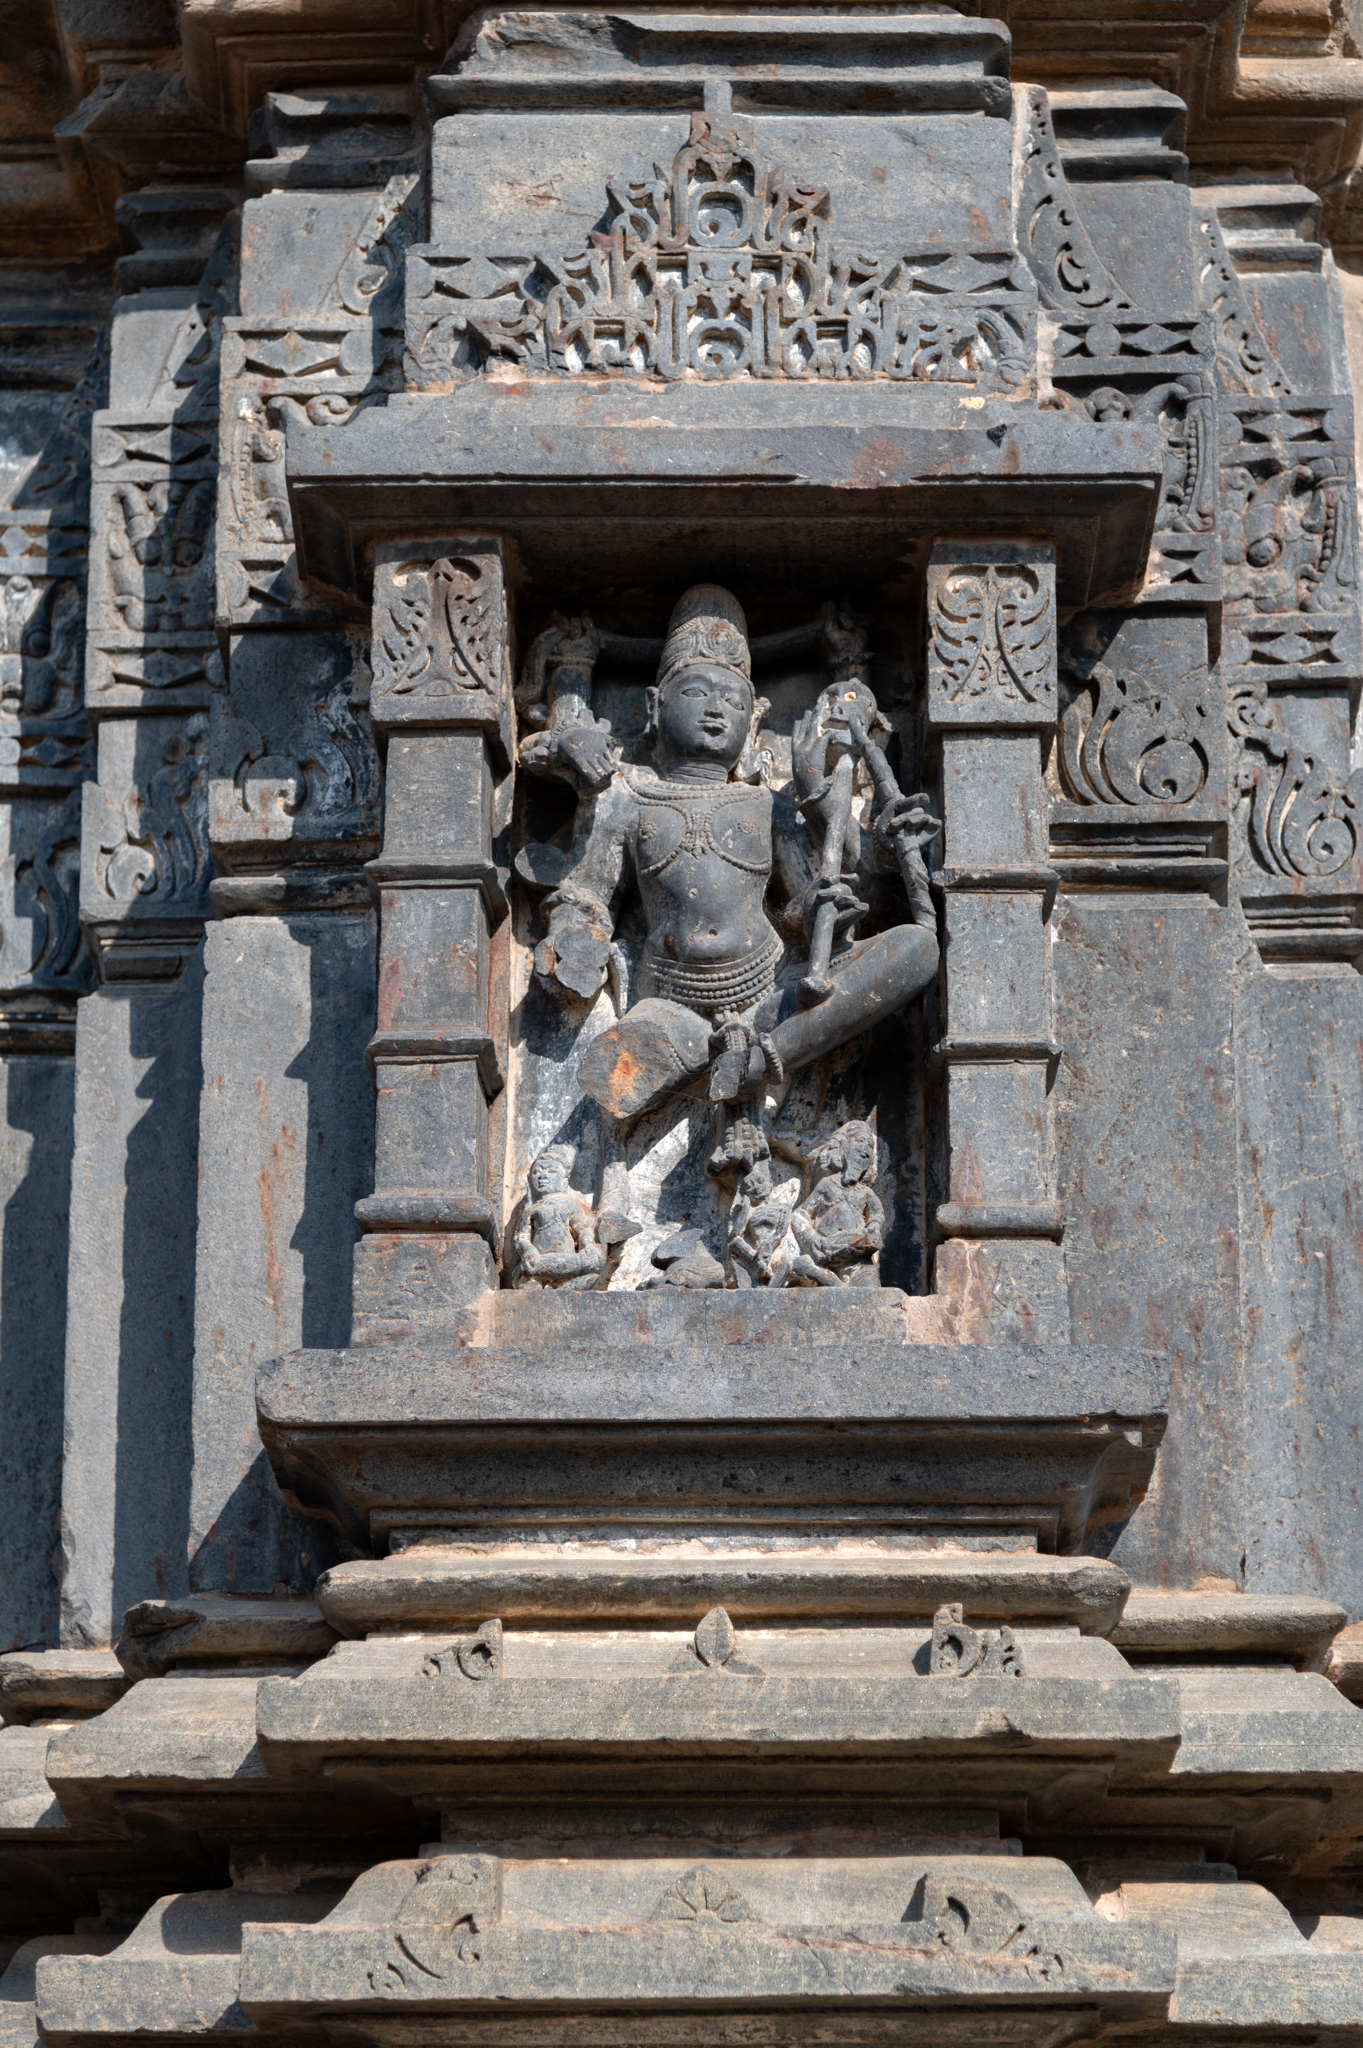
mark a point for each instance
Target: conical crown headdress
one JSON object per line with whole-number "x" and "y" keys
{"x": 707, "y": 624}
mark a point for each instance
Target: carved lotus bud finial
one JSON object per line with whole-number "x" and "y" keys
{"x": 715, "y": 1638}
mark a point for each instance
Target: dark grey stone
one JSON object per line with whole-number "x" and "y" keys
{"x": 451, "y": 1437}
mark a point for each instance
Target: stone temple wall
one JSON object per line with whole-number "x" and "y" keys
{"x": 680, "y": 1025}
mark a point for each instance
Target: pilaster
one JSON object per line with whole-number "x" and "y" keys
{"x": 286, "y": 1119}
{"x": 441, "y": 706}
{"x": 152, "y": 669}
{"x": 991, "y": 698}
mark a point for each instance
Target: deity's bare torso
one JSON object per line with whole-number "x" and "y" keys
{"x": 702, "y": 856}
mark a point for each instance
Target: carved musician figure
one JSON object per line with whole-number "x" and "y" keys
{"x": 750, "y": 965}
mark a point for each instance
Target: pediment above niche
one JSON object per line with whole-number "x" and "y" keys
{"x": 719, "y": 266}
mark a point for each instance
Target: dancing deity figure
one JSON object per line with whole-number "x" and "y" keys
{"x": 719, "y": 989}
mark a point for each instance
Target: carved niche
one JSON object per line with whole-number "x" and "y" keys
{"x": 723, "y": 266}
{"x": 734, "y": 897}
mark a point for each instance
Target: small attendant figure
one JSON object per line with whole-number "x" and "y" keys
{"x": 556, "y": 1242}
{"x": 840, "y": 1224}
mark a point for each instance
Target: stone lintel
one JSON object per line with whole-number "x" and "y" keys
{"x": 843, "y": 480}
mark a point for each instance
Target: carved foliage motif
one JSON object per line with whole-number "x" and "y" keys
{"x": 326, "y": 770}
{"x": 1071, "y": 276}
{"x": 1245, "y": 363}
{"x": 40, "y": 937}
{"x": 153, "y": 843}
{"x": 1305, "y": 811}
{"x": 722, "y": 266}
{"x": 1127, "y": 738}
{"x": 440, "y": 629}
{"x": 992, "y": 635}
{"x": 702, "y": 1895}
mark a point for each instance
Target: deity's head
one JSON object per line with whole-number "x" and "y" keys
{"x": 850, "y": 1152}
{"x": 548, "y": 1174}
{"x": 702, "y": 705}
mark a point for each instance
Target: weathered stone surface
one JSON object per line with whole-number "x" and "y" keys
{"x": 182, "y": 1963}
{"x": 286, "y": 1114}
{"x": 1210, "y": 1624}
{"x": 436, "y": 1587}
{"x": 18, "y": 1984}
{"x": 44, "y": 1685}
{"x": 656, "y": 1701}
{"x": 203, "y": 1631}
{"x": 764, "y": 611}
{"x": 129, "y": 1346}
{"x": 664, "y": 1422}
{"x": 746, "y": 1933}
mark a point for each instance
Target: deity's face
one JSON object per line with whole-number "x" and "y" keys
{"x": 548, "y": 1176}
{"x": 851, "y": 1154}
{"x": 703, "y": 714}
{"x": 859, "y": 1154}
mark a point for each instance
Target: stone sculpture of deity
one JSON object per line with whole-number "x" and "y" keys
{"x": 750, "y": 967}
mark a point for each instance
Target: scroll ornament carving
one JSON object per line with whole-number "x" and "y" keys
{"x": 1304, "y": 817}
{"x": 1071, "y": 276}
{"x": 959, "y": 1651}
{"x": 41, "y": 945}
{"x": 439, "y": 1924}
{"x": 723, "y": 266}
{"x": 993, "y": 634}
{"x": 1245, "y": 362}
{"x": 371, "y": 275}
{"x": 442, "y": 630}
{"x": 1127, "y": 740}
{"x": 155, "y": 842}
{"x": 326, "y": 767}
{"x": 476, "y": 1657}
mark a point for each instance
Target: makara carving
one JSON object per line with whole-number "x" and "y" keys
{"x": 1288, "y": 510}
{"x": 722, "y": 266}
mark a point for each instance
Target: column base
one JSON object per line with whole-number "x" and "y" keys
{"x": 412, "y": 1286}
